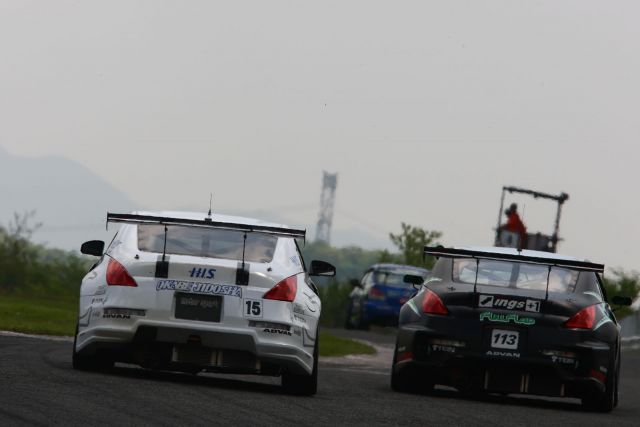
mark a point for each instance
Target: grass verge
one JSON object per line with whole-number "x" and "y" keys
{"x": 47, "y": 316}
{"x": 332, "y": 346}
{"x": 37, "y": 315}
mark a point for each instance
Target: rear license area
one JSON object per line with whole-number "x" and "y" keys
{"x": 504, "y": 342}
{"x": 504, "y": 338}
{"x": 205, "y": 308}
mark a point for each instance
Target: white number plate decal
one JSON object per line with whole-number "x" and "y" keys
{"x": 501, "y": 338}
{"x": 252, "y": 308}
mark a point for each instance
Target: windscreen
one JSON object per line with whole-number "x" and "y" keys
{"x": 395, "y": 278}
{"x": 515, "y": 274}
{"x": 207, "y": 242}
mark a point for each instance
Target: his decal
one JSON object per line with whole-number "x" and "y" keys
{"x": 202, "y": 272}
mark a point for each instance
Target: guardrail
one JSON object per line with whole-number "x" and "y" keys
{"x": 630, "y": 343}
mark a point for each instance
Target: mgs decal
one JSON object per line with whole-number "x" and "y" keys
{"x": 507, "y": 303}
{"x": 507, "y": 318}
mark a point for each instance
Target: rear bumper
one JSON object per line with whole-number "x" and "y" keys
{"x": 213, "y": 348}
{"x": 568, "y": 370}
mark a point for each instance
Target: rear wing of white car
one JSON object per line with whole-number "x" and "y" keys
{"x": 162, "y": 265}
{"x": 204, "y": 223}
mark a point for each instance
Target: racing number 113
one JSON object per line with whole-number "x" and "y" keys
{"x": 503, "y": 339}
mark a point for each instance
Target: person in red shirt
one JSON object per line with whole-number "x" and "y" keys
{"x": 515, "y": 225}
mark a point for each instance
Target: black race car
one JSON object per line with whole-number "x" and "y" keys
{"x": 504, "y": 321}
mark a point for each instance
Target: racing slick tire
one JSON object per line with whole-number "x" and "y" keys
{"x": 404, "y": 382}
{"x": 84, "y": 362}
{"x": 607, "y": 400}
{"x": 303, "y": 385}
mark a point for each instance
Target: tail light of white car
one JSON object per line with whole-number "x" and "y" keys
{"x": 284, "y": 291}
{"x": 117, "y": 275}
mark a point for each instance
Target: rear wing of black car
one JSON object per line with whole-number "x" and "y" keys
{"x": 439, "y": 251}
{"x": 204, "y": 223}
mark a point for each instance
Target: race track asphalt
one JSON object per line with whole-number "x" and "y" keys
{"x": 39, "y": 387}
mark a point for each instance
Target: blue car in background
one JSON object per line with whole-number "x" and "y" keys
{"x": 379, "y": 295}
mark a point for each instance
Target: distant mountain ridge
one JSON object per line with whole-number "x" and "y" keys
{"x": 70, "y": 200}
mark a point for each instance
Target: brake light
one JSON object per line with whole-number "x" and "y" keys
{"x": 377, "y": 294}
{"x": 283, "y": 291}
{"x": 584, "y": 319}
{"x": 117, "y": 275}
{"x": 432, "y": 304}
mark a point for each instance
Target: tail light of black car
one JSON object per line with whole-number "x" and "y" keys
{"x": 432, "y": 304}
{"x": 584, "y": 319}
{"x": 117, "y": 275}
{"x": 284, "y": 291}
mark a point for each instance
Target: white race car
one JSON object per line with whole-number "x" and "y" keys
{"x": 193, "y": 292}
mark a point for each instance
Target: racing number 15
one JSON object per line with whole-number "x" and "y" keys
{"x": 252, "y": 308}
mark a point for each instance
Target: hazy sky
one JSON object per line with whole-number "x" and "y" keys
{"x": 424, "y": 108}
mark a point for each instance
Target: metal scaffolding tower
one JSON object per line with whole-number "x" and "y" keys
{"x": 327, "y": 199}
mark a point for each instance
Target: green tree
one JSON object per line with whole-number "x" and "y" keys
{"x": 411, "y": 242}
{"x": 625, "y": 284}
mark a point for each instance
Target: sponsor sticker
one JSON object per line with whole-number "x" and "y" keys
{"x": 443, "y": 348}
{"x": 503, "y": 353}
{"x": 508, "y": 303}
{"x": 199, "y": 288}
{"x": 202, "y": 272}
{"x": 276, "y": 331}
{"x": 507, "y": 318}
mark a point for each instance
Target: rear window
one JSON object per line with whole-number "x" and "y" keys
{"x": 207, "y": 242}
{"x": 394, "y": 278}
{"x": 515, "y": 275}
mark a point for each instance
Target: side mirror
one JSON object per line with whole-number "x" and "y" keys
{"x": 414, "y": 280}
{"x": 622, "y": 301}
{"x": 355, "y": 283}
{"x": 322, "y": 268}
{"x": 92, "y": 247}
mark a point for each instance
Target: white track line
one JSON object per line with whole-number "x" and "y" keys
{"x": 38, "y": 337}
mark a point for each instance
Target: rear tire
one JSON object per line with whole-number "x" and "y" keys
{"x": 607, "y": 400}
{"x": 303, "y": 385}
{"x": 94, "y": 362}
{"x": 406, "y": 382}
